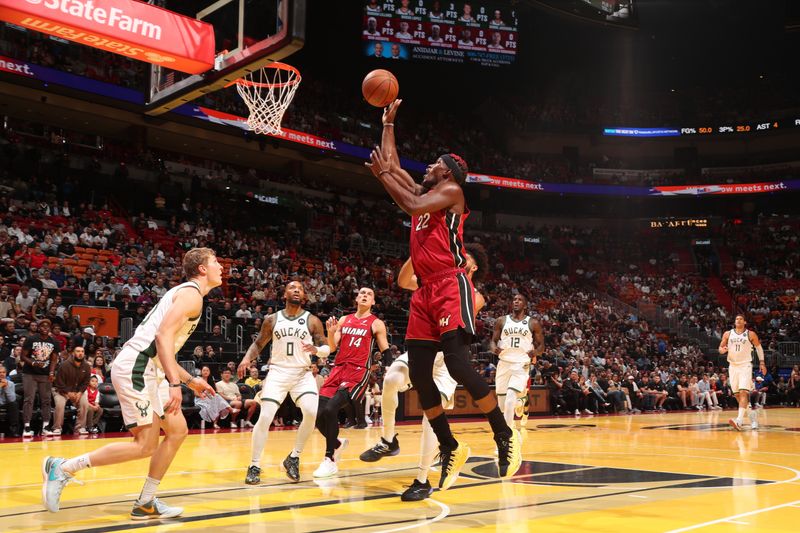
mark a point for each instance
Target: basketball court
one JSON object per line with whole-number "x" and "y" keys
{"x": 673, "y": 472}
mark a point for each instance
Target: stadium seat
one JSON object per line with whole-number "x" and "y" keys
{"x": 190, "y": 411}
{"x": 110, "y": 404}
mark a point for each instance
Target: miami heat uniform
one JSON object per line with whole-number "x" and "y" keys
{"x": 351, "y": 370}
{"x": 444, "y": 301}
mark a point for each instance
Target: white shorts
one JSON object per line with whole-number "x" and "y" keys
{"x": 281, "y": 381}
{"x": 740, "y": 377}
{"x": 444, "y": 382}
{"x": 137, "y": 383}
{"x": 512, "y": 376}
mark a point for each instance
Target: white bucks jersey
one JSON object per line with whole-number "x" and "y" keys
{"x": 740, "y": 349}
{"x": 143, "y": 341}
{"x": 288, "y": 337}
{"x": 516, "y": 340}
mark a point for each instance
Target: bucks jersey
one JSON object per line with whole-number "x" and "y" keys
{"x": 288, "y": 337}
{"x": 740, "y": 349}
{"x": 516, "y": 340}
{"x": 143, "y": 341}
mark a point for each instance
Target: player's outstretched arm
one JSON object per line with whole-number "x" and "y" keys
{"x": 334, "y": 332}
{"x": 442, "y": 197}
{"x": 264, "y": 336}
{"x": 756, "y": 342}
{"x": 538, "y": 339}
{"x": 380, "y": 335}
{"x": 406, "y": 279}
{"x": 498, "y": 330}
{"x": 723, "y": 345}
{"x": 320, "y": 345}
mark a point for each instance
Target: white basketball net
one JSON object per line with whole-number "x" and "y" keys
{"x": 268, "y": 91}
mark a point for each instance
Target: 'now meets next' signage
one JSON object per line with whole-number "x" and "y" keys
{"x": 126, "y": 27}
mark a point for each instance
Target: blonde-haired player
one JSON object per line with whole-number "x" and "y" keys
{"x": 738, "y": 343}
{"x": 136, "y": 374}
{"x": 517, "y": 340}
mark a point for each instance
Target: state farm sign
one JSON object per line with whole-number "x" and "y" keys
{"x": 127, "y": 27}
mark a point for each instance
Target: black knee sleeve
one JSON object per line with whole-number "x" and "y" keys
{"x": 421, "y": 355}
{"x": 455, "y": 346}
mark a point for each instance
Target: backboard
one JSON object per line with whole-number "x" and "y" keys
{"x": 248, "y": 34}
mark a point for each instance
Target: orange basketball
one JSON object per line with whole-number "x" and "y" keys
{"x": 380, "y": 88}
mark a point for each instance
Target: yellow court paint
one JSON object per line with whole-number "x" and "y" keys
{"x": 671, "y": 472}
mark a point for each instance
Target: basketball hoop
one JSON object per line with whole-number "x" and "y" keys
{"x": 268, "y": 91}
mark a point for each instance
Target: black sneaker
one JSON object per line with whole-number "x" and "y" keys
{"x": 361, "y": 425}
{"x": 253, "y": 475}
{"x": 509, "y": 454}
{"x": 417, "y": 492}
{"x": 381, "y": 450}
{"x": 291, "y": 465}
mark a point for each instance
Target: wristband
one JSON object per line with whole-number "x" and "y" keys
{"x": 175, "y": 385}
{"x": 388, "y": 124}
{"x": 382, "y": 172}
{"x": 323, "y": 351}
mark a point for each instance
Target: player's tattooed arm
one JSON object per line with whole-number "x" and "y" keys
{"x": 264, "y": 336}
{"x": 319, "y": 342}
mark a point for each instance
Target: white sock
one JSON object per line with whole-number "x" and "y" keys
{"x": 741, "y": 414}
{"x": 308, "y": 405}
{"x": 428, "y": 446}
{"x": 261, "y": 430}
{"x": 149, "y": 490}
{"x": 752, "y": 414}
{"x": 391, "y": 385}
{"x": 76, "y": 464}
{"x": 508, "y": 407}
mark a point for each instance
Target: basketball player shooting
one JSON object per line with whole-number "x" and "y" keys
{"x": 442, "y": 312}
{"x": 738, "y": 343}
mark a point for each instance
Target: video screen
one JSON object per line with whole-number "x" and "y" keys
{"x": 612, "y": 12}
{"x": 453, "y": 32}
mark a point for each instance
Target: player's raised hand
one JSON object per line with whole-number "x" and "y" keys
{"x": 332, "y": 324}
{"x": 391, "y": 111}
{"x": 243, "y": 367}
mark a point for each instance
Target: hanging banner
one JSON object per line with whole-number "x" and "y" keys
{"x": 126, "y": 27}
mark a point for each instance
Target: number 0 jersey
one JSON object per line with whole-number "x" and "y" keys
{"x": 357, "y": 343}
{"x": 516, "y": 340}
{"x": 288, "y": 337}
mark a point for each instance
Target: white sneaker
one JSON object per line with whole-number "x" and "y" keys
{"x": 326, "y": 469}
{"x": 754, "y": 426}
{"x": 47, "y": 432}
{"x": 83, "y": 431}
{"x": 577, "y": 413}
{"x": 735, "y": 423}
{"x": 248, "y": 424}
{"x": 368, "y": 420}
{"x": 241, "y": 423}
{"x": 27, "y": 432}
{"x": 337, "y": 454}
{"x": 587, "y": 412}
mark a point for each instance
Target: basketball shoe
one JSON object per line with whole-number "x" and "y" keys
{"x": 154, "y": 509}
{"x": 381, "y": 450}
{"x": 452, "y": 462}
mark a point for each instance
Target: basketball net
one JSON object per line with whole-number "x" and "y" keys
{"x": 268, "y": 91}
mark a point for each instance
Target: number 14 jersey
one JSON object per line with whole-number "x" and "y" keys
{"x": 357, "y": 343}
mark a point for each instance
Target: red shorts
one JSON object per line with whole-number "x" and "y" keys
{"x": 445, "y": 302}
{"x": 350, "y": 377}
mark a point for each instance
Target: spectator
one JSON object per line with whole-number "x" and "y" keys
{"x": 39, "y": 357}
{"x": 99, "y": 368}
{"x": 8, "y": 401}
{"x": 93, "y": 410}
{"x": 229, "y": 391}
{"x": 70, "y": 385}
{"x": 212, "y": 408}
{"x": 84, "y": 339}
{"x": 252, "y": 381}
{"x": 24, "y": 300}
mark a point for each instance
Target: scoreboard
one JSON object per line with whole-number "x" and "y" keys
{"x": 453, "y": 32}
{"x": 706, "y": 129}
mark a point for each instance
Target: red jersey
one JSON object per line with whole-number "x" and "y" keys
{"x": 437, "y": 242}
{"x": 357, "y": 343}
